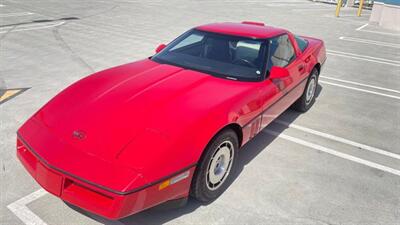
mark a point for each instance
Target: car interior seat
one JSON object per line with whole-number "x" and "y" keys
{"x": 248, "y": 52}
{"x": 217, "y": 49}
{"x": 282, "y": 54}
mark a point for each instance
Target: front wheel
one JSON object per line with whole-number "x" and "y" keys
{"x": 307, "y": 99}
{"x": 215, "y": 167}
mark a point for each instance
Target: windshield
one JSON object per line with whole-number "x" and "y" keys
{"x": 232, "y": 57}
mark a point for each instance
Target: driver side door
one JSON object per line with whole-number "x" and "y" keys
{"x": 278, "y": 94}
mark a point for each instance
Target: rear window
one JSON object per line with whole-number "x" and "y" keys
{"x": 301, "y": 42}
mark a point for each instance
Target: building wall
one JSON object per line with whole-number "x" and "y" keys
{"x": 387, "y": 14}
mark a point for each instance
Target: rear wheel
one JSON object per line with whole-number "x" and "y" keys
{"x": 215, "y": 167}
{"x": 307, "y": 99}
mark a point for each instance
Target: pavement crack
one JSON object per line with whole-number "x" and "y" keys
{"x": 39, "y": 21}
{"x": 7, "y": 32}
{"x": 68, "y": 49}
{"x": 320, "y": 221}
{"x": 102, "y": 12}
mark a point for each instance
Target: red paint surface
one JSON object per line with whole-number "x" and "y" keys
{"x": 243, "y": 29}
{"x": 141, "y": 122}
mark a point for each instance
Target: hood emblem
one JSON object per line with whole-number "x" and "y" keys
{"x": 78, "y": 134}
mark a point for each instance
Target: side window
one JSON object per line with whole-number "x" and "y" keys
{"x": 301, "y": 43}
{"x": 281, "y": 51}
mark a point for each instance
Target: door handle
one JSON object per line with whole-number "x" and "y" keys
{"x": 307, "y": 59}
{"x": 301, "y": 68}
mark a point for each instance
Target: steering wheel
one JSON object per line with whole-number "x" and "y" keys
{"x": 244, "y": 62}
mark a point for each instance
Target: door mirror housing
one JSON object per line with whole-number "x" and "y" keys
{"x": 160, "y": 48}
{"x": 277, "y": 72}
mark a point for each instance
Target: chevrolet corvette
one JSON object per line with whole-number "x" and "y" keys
{"x": 170, "y": 126}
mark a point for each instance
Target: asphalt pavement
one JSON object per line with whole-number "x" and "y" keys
{"x": 339, "y": 163}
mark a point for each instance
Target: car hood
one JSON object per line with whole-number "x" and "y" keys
{"x": 100, "y": 114}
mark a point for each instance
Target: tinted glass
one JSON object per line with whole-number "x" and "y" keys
{"x": 189, "y": 40}
{"x": 301, "y": 43}
{"x": 217, "y": 54}
{"x": 281, "y": 51}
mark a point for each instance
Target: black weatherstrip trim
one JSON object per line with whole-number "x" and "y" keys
{"x": 101, "y": 186}
{"x": 275, "y": 102}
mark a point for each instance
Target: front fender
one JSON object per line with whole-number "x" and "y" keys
{"x": 156, "y": 154}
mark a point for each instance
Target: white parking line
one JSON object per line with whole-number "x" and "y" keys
{"x": 360, "y": 89}
{"x": 333, "y": 152}
{"x": 367, "y": 41}
{"x": 338, "y": 139}
{"x": 360, "y": 84}
{"x": 379, "y": 32}
{"x": 360, "y": 28}
{"x": 38, "y": 26}
{"x": 364, "y": 57}
{"x": 16, "y": 14}
{"x": 375, "y": 32}
{"x": 20, "y": 209}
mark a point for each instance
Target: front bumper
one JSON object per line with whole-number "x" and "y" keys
{"x": 94, "y": 199}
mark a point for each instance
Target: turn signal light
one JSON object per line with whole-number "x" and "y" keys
{"x": 173, "y": 180}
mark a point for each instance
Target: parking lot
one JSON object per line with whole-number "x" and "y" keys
{"x": 339, "y": 163}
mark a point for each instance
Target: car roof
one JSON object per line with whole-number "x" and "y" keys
{"x": 244, "y": 29}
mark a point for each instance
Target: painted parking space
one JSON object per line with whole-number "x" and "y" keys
{"x": 306, "y": 169}
{"x": 355, "y": 88}
{"x": 366, "y": 28}
{"x": 15, "y": 14}
{"x": 8, "y": 94}
{"x": 364, "y": 57}
{"x": 369, "y": 41}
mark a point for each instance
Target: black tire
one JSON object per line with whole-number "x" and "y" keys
{"x": 202, "y": 188}
{"x": 304, "y": 103}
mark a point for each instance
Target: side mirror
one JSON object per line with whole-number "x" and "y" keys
{"x": 277, "y": 72}
{"x": 160, "y": 48}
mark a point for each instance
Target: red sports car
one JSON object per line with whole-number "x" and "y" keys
{"x": 131, "y": 137}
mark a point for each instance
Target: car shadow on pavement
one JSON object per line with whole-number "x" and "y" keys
{"x": 161, "y": 215}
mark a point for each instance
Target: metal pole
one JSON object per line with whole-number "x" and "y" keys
{"x": 360, "y": 7}
{"x": 339, "y": 4}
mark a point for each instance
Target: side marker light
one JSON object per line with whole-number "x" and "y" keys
{"x": 173, "y": 180}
